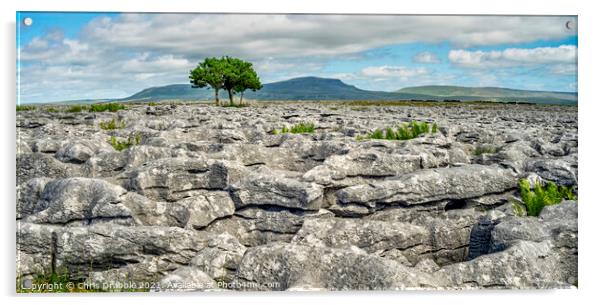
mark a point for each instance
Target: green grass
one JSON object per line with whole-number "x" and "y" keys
{"x": 52, "y": 110}
{"x": 121, "y": 145}
{"x": 403, "y": 132}
{"x": 52, "y": 283}
{"x": 535, "y": 200}
{"x": 434, "y": 128}
{"x": 303, "y": 128}
{"x": 297, "y": 128}
{"x": 112, "y": 107}
{"x": 152, "y": 104}
{"x": 76, "y": 108}
{"x": 25, "y": 107}
{"x": 112, "y": 124}
{"x": 480, "y": 150}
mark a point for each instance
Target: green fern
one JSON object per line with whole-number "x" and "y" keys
{"x": 535, "y": 200}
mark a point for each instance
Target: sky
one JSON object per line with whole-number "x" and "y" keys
{"x": 73, "y": 56}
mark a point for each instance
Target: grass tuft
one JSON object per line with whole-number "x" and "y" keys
{"x": 481, "y": 150}
{"x": 76, "y": 108}
{"x": 303, "y": 128}
{"x": 121, "y": 145}
{"x": 112, "y": 107}
{"x": 112, "y": 124}
{"x": 25, "y": 108}
{"x": 297, "y": 128}
{"x": 403, "y": 132}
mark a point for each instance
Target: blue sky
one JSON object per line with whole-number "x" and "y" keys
{"x": 67, "y": 56}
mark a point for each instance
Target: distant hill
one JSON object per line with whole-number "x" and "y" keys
{"x": 493, "y": 94}
{"x": 302, "y": 88}
{"x": 170, "y": 92}
{"x": 316, "y": 88}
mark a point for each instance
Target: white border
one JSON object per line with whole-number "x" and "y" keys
{"x": 589, "y": 134}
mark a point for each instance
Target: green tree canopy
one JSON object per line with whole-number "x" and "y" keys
{"x": 231, "y": 74}
{"x": 209, "y": 73}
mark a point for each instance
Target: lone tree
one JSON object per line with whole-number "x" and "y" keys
{"x": 210, "y": 72}
{"x": 231, "y": 74}
{"x": 248, "y": 79}
{"x": 239, "y": 77}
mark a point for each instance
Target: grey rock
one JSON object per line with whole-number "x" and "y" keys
{"x": 257, "y": 226}
{"x": 367, "y": 164}
{"x": 80, "y": 151}
{"x": 516, "y": 229}
{"x": 47, "y": 145}
{"x": 427, "y": 265}
{"x": 273, "y": 189}
{"x": 201, "y": 210}
{"x": 38, "y": 165}
{"x": 28, "y": 195}
{"x": 79, "y": 200}
{"x": 186, "y": 279}
{"x": 371, "y": 236}
{"x": 524, "y": 265}
{"x": 35, "y": 248}
{"x": 105, "y": 164}
{"x": 176, "y": 178}
{"x": 210, "y": 196}
{"x": 557, "y": 170}
{"x": 432, "y": 185}
{"x": 221, "y": 257}
{"x": 106, "y": 246}
{"x": 281, "y": 266}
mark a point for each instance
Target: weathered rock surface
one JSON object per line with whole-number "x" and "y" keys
{"x": 186, "y": 279}
{"x": 209, "y": 198}
{"x": 84, "y": 200}
{"x": 431, "y": 185}
{"x": 282, "y": 266}
{"x": 221, "y": 257}
{"x": 273, "y": 189}
{"x": 337, "y": 170}
{"x": 176, "y": 178}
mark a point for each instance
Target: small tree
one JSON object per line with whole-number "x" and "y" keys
{"x": 231, "y": 74}
{"x": 248, "y": 79}
{"x": 210, "y": 72}
{"x": 239, "y": 76}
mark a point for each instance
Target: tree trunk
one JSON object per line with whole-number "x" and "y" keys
{"x": 230, "y": 96}
{"x": 240, "y": 103}
{"x": 216, "y": 97}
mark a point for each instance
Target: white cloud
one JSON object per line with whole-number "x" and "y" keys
{"x": 564, "y": 69}
{"x": 564, "y": 54}
{"x": 144, "y": 63}
{"x": 302, "y": 35}
{"x": 117, "y": 56}
{"x": 393, "y": 71}
{"x": 426, "y": 58}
